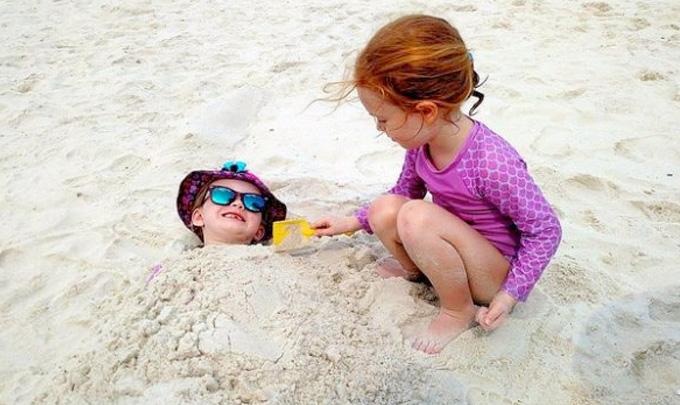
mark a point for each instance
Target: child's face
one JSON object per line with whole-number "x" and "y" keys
{"x": 230, "y": 224}
{"x": 407, "y": 129}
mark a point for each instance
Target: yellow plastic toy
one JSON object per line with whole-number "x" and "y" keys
{"x": 291, "y": 234}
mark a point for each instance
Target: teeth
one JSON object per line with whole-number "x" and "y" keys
{"x": 230, "y": 215}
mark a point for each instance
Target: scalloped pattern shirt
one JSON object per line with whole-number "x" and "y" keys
{"x": 489, "y": 187}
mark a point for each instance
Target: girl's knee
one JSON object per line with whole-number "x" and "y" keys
{"x": 383, "y": 211}
{"x": 413, "y": 218}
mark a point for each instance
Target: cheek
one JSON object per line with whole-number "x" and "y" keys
{"x": 414, "y": 124}
{"x": 210, "y": 210}
{"x": 253, "y": 219}
{"x": 407, "y": 131}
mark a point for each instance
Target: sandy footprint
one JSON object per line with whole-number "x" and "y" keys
{"x": 27, "y": 84}
{"x": 629, "y": 351}
{"x": 645, "y": 149}
{"x": 554, "y": 142}
{"x": 565, "y": 281}
{"x": 670, "y": 231}
{"x": 591, "y": 219}
{"x": 638, "y": 23}
{"x": 651, "y": 76}
{"x": 466, "y": 8}
{"x": 589, "y": 183}
{"x": 598, "y": 8}
{"x": 538, "y": 306}
{"x": 665, "y": 309}
{"x": 658, "y": 363}
{"x": 660, "y": 211}
{"x": 283, "y": 66}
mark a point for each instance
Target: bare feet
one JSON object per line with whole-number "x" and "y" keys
{"x": 445, "y": 327}
{"x": 390, "y": 267}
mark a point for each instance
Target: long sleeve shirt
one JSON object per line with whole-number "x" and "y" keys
{"x": 489, "y": 187}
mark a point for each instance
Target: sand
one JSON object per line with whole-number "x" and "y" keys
{"x": 104, "y": 108}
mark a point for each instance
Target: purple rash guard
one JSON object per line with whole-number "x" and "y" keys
{"x": 488, "y": 186}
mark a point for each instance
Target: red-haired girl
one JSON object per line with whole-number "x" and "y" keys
{"x": 488, "y": 233}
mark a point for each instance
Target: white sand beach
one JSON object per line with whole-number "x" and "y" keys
{"x": 104, "y": 108}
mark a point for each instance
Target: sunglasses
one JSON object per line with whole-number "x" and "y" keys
{"x": 224, "y": 196}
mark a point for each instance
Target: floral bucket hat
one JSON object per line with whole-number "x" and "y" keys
{"x": 189, "y": 188}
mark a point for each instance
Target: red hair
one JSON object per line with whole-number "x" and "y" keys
{"x": 417, "y": 58}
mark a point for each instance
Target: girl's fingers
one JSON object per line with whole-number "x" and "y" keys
{"x": 324, "y": 231}
{"x": 481, "y": 313}
{"x": 321, "y": 223}
{"x": 497, "y": 322}
{"x": 494, "y": 317}
{"x": 493, "y": 314}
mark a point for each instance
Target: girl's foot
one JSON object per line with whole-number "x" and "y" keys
{"x": 445, "y": 327}
{"x": 390, "y": 267}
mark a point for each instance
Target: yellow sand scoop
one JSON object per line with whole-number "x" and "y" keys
{"x": 291, "y": 234}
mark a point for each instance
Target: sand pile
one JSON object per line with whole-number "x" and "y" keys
{"x": 245, "y": 325}
{"x": 241, "y": 325}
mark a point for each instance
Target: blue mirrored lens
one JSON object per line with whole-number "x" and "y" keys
{"x": 254, "y": 202}
{"x": 222, "y": 195}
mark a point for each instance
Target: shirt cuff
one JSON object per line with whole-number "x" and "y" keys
{"x": 362, "y": 216}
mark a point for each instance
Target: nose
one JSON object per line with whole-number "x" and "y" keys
{"x": 238, "y": 202}
{"x": 380, "y": 127}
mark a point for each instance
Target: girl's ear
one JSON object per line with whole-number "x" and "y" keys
{"x": 428, "y": 110}
{"x": 197, "y": 218}
{"x": 259, "y": 234}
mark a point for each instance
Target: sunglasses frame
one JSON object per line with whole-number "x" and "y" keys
{"x": 237, "y": 195}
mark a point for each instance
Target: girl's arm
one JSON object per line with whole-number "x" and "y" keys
{"x": 329, "y": 226}
{"x": 505, "y": 181}
{"x": 409, "y": 185}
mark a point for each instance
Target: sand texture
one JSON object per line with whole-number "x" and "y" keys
{"x": 104, "y": 107}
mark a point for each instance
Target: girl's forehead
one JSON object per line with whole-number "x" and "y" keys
{"x": 237, "y": 185}
{"x": 374, "y": 103}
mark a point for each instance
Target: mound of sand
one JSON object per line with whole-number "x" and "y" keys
{"x": 242, "y": 325}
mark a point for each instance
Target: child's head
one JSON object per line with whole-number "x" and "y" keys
{"x": 228, "y": 206}
{"x": 414, "y": 70}
{"x": 416, "y": 58}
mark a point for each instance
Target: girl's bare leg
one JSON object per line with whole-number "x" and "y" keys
{"x": 382, "y": 215}
{"x": 461, "y": 264}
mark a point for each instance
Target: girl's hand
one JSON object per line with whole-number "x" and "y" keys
{"x": 492, "y": 317}
{"x": 329, "y": 226}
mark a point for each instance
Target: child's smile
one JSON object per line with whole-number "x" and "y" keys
{"x": 233, "y": 215}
